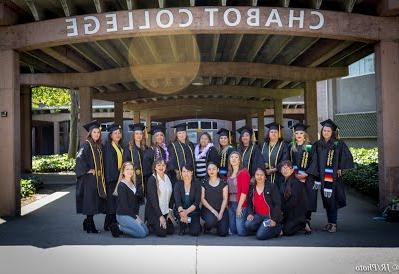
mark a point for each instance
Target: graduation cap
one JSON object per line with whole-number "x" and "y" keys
{"x": 91, "y": 125}
{"x": 113, "y": 127}
{"x": 329, "y": 123}
{"x": 157, "y": 128}
{"x": 180, "y": 127}
{"x": 299, "y": 127}
{"x": 138, "y": 126}
{"x": 275, "y": 126}
{"x": 224, "y": 132}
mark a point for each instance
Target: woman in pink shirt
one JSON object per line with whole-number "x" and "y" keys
{"x": 238, "y": 181}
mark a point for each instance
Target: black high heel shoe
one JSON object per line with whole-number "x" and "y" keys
{"x": 107, "y": 222}
{"x": 92, "y": 227}
{"x": 115, "y": 231}
{"x": 85, "y": 225}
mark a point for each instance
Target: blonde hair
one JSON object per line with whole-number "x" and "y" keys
{"x": 305, "y": 142}
{"x": 121, "y": 177}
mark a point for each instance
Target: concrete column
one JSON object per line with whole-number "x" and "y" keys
{"x": 56, "y": 126}
{"x": 233, "y": 131}
{"x": 118, "y": 113}
{"x": 261, "y": 127}
{"x": 248, "y": 120}
{"x": 85, "y": 110}
{"x": 10, "y": 121}
{"x": 311, "y": 109}
{"x": 136, "y": 117}
{"x": 26, "y": 129}
{"x": 278, "y": 112}
{"x": 148, "y": 125}
{"x": 387, "y": 75}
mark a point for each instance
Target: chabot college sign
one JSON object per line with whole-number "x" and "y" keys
{"x": 195, "y": 18}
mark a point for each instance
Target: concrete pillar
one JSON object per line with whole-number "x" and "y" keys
{"x": 56, "y": 126}
{"x": 233, "y": 131}
{"x": 311, "y": 109}
{"x": 278, "y": 112}
{"x": 136, "y": 117}
{"x": 26, "y": 129}
{"x": 148, "y": 125}
{"x": 85, "y": 110}
{"x": 261, "y": 127}
{"x": 387, "y": 75}
{"x": 248, "y": 120}
{"x": 10, "y": 121}
{"x": 118, "y": 113}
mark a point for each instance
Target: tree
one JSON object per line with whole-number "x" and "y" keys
{"x": 57, "y": 97}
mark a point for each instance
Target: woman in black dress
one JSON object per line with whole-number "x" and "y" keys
{"x": 159, "y": 205}
{"x": 304, "y": 160}
{"x": 134, "y": 152}
{"x": 250, "y": 152}
{"x": 204, "y": 153}
{"x": 333, "y": 156}
{"x": 113, "y": 160}
{"x": 274, "y": 151}
{"x": 187, "y": 195}
{"x": 90, "y": 186}
{"x": 224, "y": 152}
{"x": 214, "y": 198}
{"x": 293, "y": 201}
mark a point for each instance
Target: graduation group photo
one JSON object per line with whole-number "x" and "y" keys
{"x": 199, "y": 136}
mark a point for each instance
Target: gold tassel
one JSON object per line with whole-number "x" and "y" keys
{"x": 279, "y": 131}
{"x": 174, "y": 131}
{"x": 253, "y": 136}
{"x": 337, "y": 133}
{"x": 229, "y": 137}
{"x": 146, "y": 133}
{"x": 199, "y": 129}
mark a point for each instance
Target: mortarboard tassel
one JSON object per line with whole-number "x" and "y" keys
{"x": 253, "y": 136}
{"x": 229, "y": 137}
{"x": 279, "y": 131}
{"x": 146, "y": 133}
{"x": 337, "y": 133}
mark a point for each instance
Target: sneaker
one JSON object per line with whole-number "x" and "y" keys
{"x": 333, "y": 228}
{"x": 327, "y": 227}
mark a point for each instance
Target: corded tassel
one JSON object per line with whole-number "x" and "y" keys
{"x": 279, "y": 131}
{"x": 337, "y": 133}
{"x": 229, "y": 137}
{"x": 174, "y": 131}
{"x": 253, "y": 136}
{"x": 146, "y": 133}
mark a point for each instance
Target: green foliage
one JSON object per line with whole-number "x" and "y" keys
{"x": 365, "y": 156}
{"x": 364, "y": 177}
{"x": 30, "y": 185}
{"x": 51, "y": 97}
{"x": 53, "y": 163}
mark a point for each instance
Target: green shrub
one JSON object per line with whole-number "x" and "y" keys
{"x": 30, "y": 185}
{"x": 364, "y": 177}
{"x": 52, "y": 163}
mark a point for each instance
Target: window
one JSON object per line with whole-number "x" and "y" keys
{"x": 362, "y": 67}
{"x": 192, "y": 125}
{"x": 206, "y": 125}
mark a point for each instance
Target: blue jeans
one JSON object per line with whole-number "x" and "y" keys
{"x": 262, "y": 232}
{"x": 131, "y": 226}
{"x": 332, "y": 215}
{"x": 237, "y": 224}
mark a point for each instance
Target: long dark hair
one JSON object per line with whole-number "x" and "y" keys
{"x": 333, "y": 135}
{"x": 99, "y": 141}
{"x": 288, "y": 188}
{"x": 267, "y": 138}
{"x": 207, "y": 135}
{"x": 109, "y": 139}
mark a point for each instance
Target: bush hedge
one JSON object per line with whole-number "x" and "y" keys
{"x": 53, "y": 163}
{"x": 364, "y": 177}
{"x": 30, "y": 185}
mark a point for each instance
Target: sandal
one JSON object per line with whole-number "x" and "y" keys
{"x": 333, "y": 228}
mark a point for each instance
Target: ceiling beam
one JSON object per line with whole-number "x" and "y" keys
{"x": 68, "y": 7}
{"x": 192, "y": 91}
{"x": 36, "y": 11}
{"x": 178, "y": 70}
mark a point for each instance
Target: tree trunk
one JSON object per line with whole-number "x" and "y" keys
{"x": 73, "y": 125}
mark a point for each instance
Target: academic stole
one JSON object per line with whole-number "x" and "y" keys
{"x": 304, "y": 161}
{"x": 99, "y": 170}
{"x": 119, "y": 155}
{"x": 223, "y": 162}
{"x": 138, "y": 172}
{"x": 250, "y": 156}
{"x": 269, "y": 165}
{"x": 328, "y": 170}
{"x": 184, "y": 155}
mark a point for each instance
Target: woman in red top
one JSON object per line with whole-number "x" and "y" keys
{"x": 264, "y": 207}
{"x": 238, "y": 181}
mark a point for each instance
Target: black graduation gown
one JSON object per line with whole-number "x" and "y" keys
{"x": 251, "y": 158}
{"x": 180, "y": 154}
{"x": 88, "y": 201}
{"x": 306, "y": 160}
{"x": 111, "y": 173}
{"x": 137, "y": 154}
{"x": 342, "y": 159}
{"x": 279, "y": 153}
{"x": 223, "y": 161}
{"x": 294, "y": 207}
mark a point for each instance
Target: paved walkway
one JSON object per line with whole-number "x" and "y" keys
{"x": 50, "y": 239}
